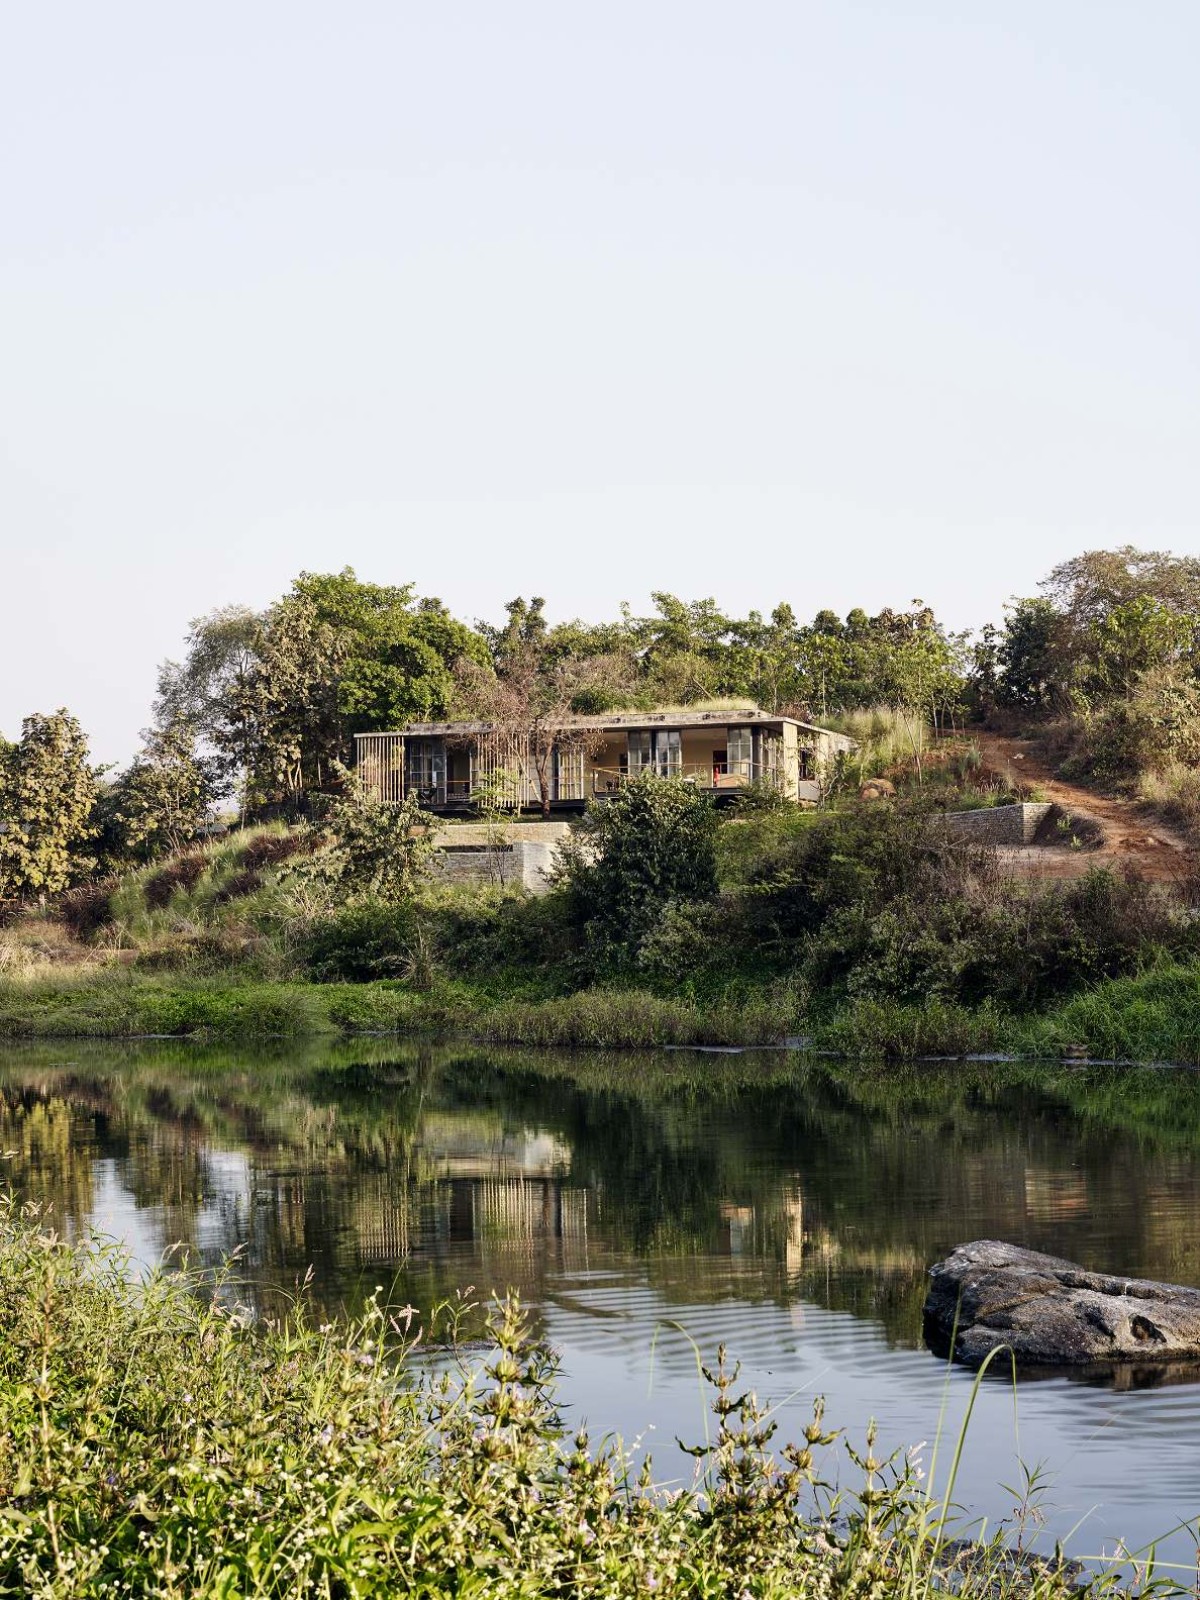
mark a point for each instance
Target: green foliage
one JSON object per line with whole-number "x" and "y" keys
{"x": 372, "y": 850}
{"x": 881, "y": 904}
{"x": 654, "y": 842}
{"x": 163, "y": 800}
{"x": 1106, "y": 622}
{"x": 47, "y": 792}
{"x": 280, "y": 694}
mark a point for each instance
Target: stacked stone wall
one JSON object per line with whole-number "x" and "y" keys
{"x": 999, "y": 825}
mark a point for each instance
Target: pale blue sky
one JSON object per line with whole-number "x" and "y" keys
{"x": 838, "y": 303}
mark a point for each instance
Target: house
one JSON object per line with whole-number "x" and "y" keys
{"x": 720, "y": 750}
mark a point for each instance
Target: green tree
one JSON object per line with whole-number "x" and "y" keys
{"x": 214, "y": 689}
{"x": 371, "y": 851}
{"x": 161, "y": 802}
{"x": 1033, "y": 668}
{"x": 47, "y": 793}
{"x": 1133, "y": 638}
{"x": 651, "y": 846}
{"x": 280, "y": 694}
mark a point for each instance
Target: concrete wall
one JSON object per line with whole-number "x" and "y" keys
{"x": 1001, "y": 825}
{"x": 511, "y": 853}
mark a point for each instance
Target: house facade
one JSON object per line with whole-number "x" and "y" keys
{"x": 445, "y": 764}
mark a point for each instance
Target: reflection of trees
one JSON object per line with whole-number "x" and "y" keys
{"x": 427, "y": 1170}
{"x": 40, "y": 1154}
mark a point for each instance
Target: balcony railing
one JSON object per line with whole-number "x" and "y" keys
{"x": 715, "y": 775}
{"x": 447, "y": 792}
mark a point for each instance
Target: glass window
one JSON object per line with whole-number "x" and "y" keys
{"x": 641, "y": 753}
{"x": 425, "y": 766}
{"x": 741, "y": 753}
{"x": 668, "y": 752}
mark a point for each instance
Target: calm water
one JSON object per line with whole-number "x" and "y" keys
{"x": 789, "y": 1209}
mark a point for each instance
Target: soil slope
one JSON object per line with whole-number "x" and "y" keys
{"x": 1126, "y": 841}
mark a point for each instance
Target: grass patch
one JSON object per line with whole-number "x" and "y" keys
{"x": 875, "y": 1028}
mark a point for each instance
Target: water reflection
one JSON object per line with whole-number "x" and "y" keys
{"x": 790, "y": 1208}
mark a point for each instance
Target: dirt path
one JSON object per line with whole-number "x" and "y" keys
{"x": 1153, "y": 850}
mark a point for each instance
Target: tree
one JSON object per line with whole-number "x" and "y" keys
{"x": 161, "y": 802}
{"x": 214, "y": 691}
{"x": 652, "y": 845}
{"x": 372, "y": 851}
{"x": 533, "y": 696}
{"x": 1087, "y": 588}
{"x": 47, "y": 792}
{"x": 1030, "y": 657}
{"x": 280, "y": 694}
{"x": 1132, "y": 639}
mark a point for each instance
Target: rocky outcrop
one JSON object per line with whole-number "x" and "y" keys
{"x": 1052, "y": 1313}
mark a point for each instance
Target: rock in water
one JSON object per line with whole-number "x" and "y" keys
{"x": 1051, "y": 1312}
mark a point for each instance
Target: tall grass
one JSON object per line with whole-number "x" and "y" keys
{"x": 888, "y": 1028}
{"x": 886, "y": 737}
{"x": 154, "y": 1443}
{"x": 634, "y": 1019}
{"x": 1174, "y": 792}
{"x": 1154, "y": 1016}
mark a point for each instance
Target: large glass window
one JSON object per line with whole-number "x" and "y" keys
{"x": 425, "y": 767}
{"x": 641, "y": 753}
{"x": 740, "y": 750}
{"x": 668, "y": 752}
{"x": 660, "y": 752}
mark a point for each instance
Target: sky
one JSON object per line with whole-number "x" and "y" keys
{"x": 842, "y": 304}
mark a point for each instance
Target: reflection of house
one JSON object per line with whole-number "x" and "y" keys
{"x": 445, "y": 763}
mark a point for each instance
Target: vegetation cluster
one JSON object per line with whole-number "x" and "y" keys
{"x": 868, "y": 925}
{"x": 294, "y": 1459}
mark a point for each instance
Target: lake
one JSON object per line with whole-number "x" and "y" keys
{"x": 787, "y": 1206}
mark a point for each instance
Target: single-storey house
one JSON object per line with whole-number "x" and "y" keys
{"x": 445, "y": 764}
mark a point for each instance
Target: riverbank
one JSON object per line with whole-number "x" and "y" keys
{"x": 296, "y": 1459}
{"x": 1151, "y": 1017}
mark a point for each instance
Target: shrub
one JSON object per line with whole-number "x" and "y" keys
{"x": 362, "y": 942}
{"x": 652, "y": 843}
{"x": 236, "y": 887}
{"x": 880, "y": 905}
{"x": 86, "y": 910}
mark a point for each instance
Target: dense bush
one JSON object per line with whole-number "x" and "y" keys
{"x": 652, "y": 844}
{"x": 886, "y": 906}
{"x": 480, "y": 934}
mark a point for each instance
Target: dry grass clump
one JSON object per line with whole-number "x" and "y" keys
{"x": 38, "y": 943}
{"x": 1174, "y": 792}
{"x": 272, "y": 849}
{"x": 87, "y": 909}
{"x": 248, "y": 880}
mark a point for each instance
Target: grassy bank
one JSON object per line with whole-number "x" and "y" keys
{"x": 1153, "y": 1017}
{"x": 861, "y": 931}
{"x": 116, "y": 1005}
{"x": 154, "y": 1443}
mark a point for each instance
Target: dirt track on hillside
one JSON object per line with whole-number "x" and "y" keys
{"x": 1126, "y": 840}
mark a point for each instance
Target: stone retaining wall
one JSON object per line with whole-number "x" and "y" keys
{"x": 507, "y": 853}
{"x": 1000, "y": 825}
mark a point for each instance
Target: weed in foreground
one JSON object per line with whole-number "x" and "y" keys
{"x": 155, "y": 1442}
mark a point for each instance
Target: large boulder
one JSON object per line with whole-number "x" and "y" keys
{"x": 1052, "y": 1313}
